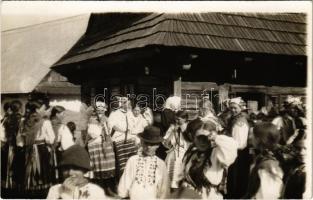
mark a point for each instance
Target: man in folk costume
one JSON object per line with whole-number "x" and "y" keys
{"x": 118, "y": 124}
{"x": 37, "y": 134}
{"x": 290, "y": 122}
{"x": 145, "y": 175}
{"x": 239, "y": 130}
{"x": 177, "y": 145}
{"x": 74, "y": 164}
{"x": 100, "y": 148}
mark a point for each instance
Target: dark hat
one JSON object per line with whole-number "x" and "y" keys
{"x": 75, "y": 156}
{"x": 151, "y": 134}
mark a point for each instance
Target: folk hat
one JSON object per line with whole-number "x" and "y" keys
{"x": 75, "y": 156}
{"x": 151, "y": 134}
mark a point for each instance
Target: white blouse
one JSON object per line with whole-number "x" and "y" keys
{"x": 65, "y": 137}
{"x": 137, "y": 124}
{"x": 46, "y": 132}
{"x": 271, "y": 182}
{"x": 172, "y": 135}
{"x": 240, "y": 132}
{"x": 223, "y": 155}
{"x": 89, "y": 191}
{"x": 117, "y": 121}
{"x": 144, "y": 178}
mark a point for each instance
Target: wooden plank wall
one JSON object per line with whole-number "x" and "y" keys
{"x": 193, "y": 92}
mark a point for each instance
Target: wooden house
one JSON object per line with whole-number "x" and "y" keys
{"x": 253, "y": 55}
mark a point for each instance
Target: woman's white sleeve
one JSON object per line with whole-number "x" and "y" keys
{"x": 225, "y": 151}
{"x": 67, "y": 139}
{"x": 278, "y": 122}
{"x": 240, "y": 133}
{"x": 48, "y": 132}
{"x": 169, "y": 132}
{"x": 126, "y": 180}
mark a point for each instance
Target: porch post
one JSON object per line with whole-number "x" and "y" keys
{"x": 177, "y": 87}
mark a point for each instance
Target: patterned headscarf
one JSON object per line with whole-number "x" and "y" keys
{"x": 293, "y": 101}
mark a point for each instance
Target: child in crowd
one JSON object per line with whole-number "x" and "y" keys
{"x": 74, "y": 164}
{"x": 145, "y": 175}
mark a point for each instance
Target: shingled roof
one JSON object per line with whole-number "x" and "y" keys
{"x": 283, "y": 33}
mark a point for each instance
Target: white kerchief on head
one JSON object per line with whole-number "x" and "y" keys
{"x": 236, "y": 100}
{"x": 100, "y": 105}
{"x": 292, "y": 100}
{"x": 173, "y": 103}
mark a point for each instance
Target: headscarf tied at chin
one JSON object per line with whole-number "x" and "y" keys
{"x": 239, "y": 101}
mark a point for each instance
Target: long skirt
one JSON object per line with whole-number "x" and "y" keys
{"x": 174, "y": 163}
{"x": 102, "y": 159}
{"x": 7, "y": 172}
{"x": 18, "y": 171}
{"x": 39, "y": 169}
{"x": 123, "y": 151}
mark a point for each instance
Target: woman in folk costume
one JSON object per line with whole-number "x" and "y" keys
{"x": 38, "y": 135}
{"x": 63, "y": 137}
{"x": 207, "y": 113}
{"x": 266, "y": 177}
{"x": 74, "y": 164}
{"x": 205, "y": 163}
{"x": 290, "y": 121}
{"x": 100, "y": 148}
{"x": 145, "y": 175}
{"x": 177, "y": 146}
{"x": 124, "y": 146}
{"x": 138, "y": 121}
{"x": 171, "y": 106}
{"x": 239, "y": 129}
{"x": 11, "y": 124}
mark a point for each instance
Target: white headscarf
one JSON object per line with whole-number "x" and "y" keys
{"x": 173, "y": 103}
{"x": 292, "y": 100}
{"x": 100, "y": 105}
{"x": 238, "y": 101}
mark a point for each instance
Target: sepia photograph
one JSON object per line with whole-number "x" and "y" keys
{"x": 156, "y": 100}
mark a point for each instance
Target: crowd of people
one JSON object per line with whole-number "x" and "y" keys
{"x": 129, "y": 154}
